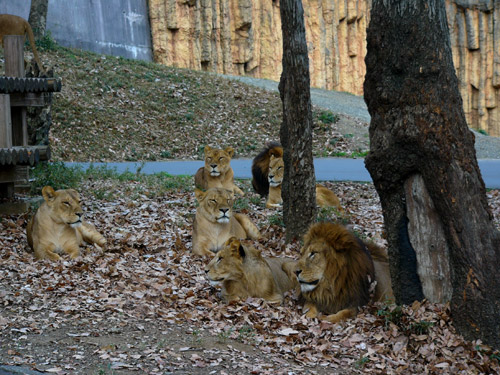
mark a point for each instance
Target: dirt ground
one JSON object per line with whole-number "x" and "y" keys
{"x": 144, "y": 305}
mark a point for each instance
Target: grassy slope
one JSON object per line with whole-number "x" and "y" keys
{"x": 114, "y": 109}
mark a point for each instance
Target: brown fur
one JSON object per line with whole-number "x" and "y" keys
{"x": 215, "y": 222}
{"x": 334, "y": 271}
{"x": 14, "y": 25}
{"x": 217, "y": 171}
{"x": 383, "y": 290}
{"x": 268, "y": 172}
{"x": 244, "y": 272}
{"x": 57, "y": 226}
{"x": 260, "y": 167}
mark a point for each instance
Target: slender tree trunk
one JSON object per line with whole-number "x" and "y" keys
{"x": 298, "y": 188}
{"x": 424, "y": 167}
{"x": 38, "y": 17}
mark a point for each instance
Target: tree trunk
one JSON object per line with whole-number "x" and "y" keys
{"x": 298, "y": 187}
{"x": 424, "y": 167}
{"x": 38, "y": 17}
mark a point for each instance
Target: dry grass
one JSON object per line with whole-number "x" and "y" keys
{"x": 114, "y": 109}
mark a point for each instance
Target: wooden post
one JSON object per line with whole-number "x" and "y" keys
{"x": 5, "y": 122}
{"x": 14, "y": 67}
{"x": 14, "y": 55}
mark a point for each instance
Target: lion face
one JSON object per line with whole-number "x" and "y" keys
{"x": 64, "y": 206}
{"x": 324, "y": 255}
{"x": 276, "y": 171}
{"x": 310, "y": 268}
{"x": 227, "y": 264}
{"x": 216, "y": 204}
{"x": 217, "y": 160}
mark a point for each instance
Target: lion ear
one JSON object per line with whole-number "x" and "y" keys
{"x": 199, "y": 194}
{"x": 230, "y": 151}
{"x": 48, "y": 193}
{"x": 230, "y": 241}
{"x": 242, "y": 252}
{"x": 207, "y": 149}
{"x": 236, "y": 247}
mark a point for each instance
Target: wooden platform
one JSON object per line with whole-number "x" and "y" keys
{"x": 16, "y": 94}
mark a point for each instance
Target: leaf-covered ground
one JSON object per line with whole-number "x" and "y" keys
{"x": 143, "y": 305}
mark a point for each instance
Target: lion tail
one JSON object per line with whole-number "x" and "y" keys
{"x": 31, "y": 38}
{"x": 249, "y": 227}
{"x": 260, "y": 167}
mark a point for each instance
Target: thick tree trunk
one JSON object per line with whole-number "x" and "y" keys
{"x": 423, "y": 164}
{"x": 38, "y": 17}
{"x": 298, "y": 188}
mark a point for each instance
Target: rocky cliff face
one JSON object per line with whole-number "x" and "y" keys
{"x": 243, "y": 37}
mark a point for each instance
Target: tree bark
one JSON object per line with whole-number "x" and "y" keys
{"x": 419, "y": 136}
{"x": 38, "y": 17}
{"x": 298, "y": 187}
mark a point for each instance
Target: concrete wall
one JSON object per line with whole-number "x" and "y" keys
{"x": 113, "y": 27}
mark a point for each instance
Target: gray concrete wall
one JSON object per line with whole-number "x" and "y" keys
{"x": 112, "y": 27}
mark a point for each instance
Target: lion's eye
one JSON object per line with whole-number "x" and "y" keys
{"x": 312, "y": 254}
{"x": 220, "y": 159}
{"x": 280, "y": 168}
{"x": 209, "y": 159}
{"x": 67, "y": 204}
{"x": 219, "y": 259}
{"x": 213, "y": 201}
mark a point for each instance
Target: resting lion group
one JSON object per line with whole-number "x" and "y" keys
{"x": 335, "y": 273}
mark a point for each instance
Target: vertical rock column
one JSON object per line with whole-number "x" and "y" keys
{"x": 475, "y": 38}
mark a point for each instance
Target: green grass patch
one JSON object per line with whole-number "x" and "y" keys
{"x": 277, "y": 219}
{"x": 327, "y": 117}
{"x": 60, "y": 176}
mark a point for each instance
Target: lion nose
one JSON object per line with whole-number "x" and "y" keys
{"x": 79, "y": 214}
{"x": 297, "y": 272}
{"x": 213, "y": 165}
{"x": 224, "y": 210}
{"x": 271, "y": 176}
{"x": 206, "y": 271}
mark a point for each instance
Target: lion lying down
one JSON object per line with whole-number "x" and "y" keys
{"x": 335, "y": 270}
{"x": 268, "y": 170}
{"x": 215, "y": 222}
{"x": 217, "y": 171}
{"x": 57, "y": 226}
{"x": 243, "y": 272}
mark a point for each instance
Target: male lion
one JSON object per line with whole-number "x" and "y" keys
{"x": 243, "y": 272}
{"x": 215, "y": 222}
{"x": 57, "y": 226}
{"x": 268, "y": 169}
{"x": 334, "y": 272}
{"x": 217, "y": 171}
{"x": 14, "y": 25}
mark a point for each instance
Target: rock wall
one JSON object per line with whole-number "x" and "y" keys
{"x": 475, "y": 39}
{"x": 243, "y": 37}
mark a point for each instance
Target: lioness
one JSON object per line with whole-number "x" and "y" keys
{"x": 334, "y": 272}
{"x": 215, "y": 222}
{"x": 268, "y": 169}
{"x": 14, "y": 25}
{"x": 243, "y": 272}
{"x": 217, "y": 171}
{"x": 57, "y": 226}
